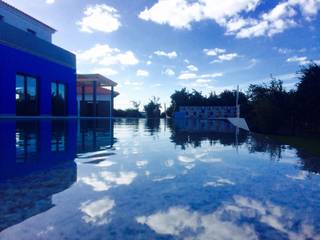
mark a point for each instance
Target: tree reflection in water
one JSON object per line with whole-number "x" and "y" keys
{"x": 192, "y": 133}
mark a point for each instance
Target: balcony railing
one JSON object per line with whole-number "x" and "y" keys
{"x": 16, "y": 38}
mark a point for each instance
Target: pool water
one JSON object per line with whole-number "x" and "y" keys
{"x": 153, "y": 179}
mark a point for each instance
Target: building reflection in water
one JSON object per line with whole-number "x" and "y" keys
{"x": 37, "y": 162}
{"x": 193, "y": 132}
{"x": 35, "y": 145}
{"x": 95, "y": 135}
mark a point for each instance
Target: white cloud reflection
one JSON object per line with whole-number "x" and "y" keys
{"x": 105, "y": 180}
{"x": 230, "y": 221}
{"x": 219, "y": 183}
{"x": 122, "y": 178}
{"x": 142, "y": 163}
{"x": 169, "y": 163}
{"x": 167, "y": 177}
{"x": 97, "y": 212}
{"x": 302, "y": 175}
{"x": 198, "y": 156}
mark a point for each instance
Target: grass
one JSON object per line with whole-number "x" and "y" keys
{"x": 310, "y": 145}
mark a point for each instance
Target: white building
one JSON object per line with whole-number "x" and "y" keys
{"x": 25, "y": 22}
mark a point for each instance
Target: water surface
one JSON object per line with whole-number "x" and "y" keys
{"x": 151, "y": 179}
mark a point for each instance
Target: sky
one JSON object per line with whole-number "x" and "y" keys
{"x": 154, "y": 47}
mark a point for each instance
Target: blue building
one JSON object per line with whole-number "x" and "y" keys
{"x": 37, "y": 78}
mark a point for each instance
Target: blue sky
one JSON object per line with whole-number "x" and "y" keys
{"x": 152, "y": 47}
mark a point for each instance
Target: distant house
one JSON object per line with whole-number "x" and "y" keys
{"x": 94, "y": 99}
{"x": 37, "y": 78}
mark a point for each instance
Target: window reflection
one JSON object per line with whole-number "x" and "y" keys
{"x": 59, "y": 136}
{"x": 27, "y": 141}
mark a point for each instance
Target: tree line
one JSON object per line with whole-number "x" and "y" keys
{"x": 267, "y": 107}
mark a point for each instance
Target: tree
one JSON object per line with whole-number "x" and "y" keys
{"x": 269, "y": 109}
{"x": 152, "y": 109}
{"x": 136, "y": 105}
{"x": 308, "y": 98}
{"x": 179, "y": 98}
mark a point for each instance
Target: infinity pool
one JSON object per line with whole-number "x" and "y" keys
{"x": 149, "y": 179}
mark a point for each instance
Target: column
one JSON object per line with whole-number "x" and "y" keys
{"x": 83, "y": 98}
{"x": 94, "y": 97}
{"x": 111, "y": 102}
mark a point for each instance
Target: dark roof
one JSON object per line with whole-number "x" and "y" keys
{"x": 88, "y": 78}
{"x": 27, "y": 15}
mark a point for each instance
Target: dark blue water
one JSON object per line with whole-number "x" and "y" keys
{"x": 139, "y": 179}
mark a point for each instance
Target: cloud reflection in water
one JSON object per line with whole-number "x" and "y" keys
{"x": 96, "y": 212}
{"x": 237, "y": 220}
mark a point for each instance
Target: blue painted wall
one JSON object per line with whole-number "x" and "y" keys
{"x": 13, "y": 61}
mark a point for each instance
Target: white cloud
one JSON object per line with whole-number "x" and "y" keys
{"x": 176, "y": 13}
{"x": 142, "y": 73}
{"x": 203, "y": 80}
{"x": 187, "y": 76}
{"x": 220, "y": 54}
{"x": 50, "y": 1}
{"x": 100, "y": 17}
{"x": 300, "y": 60}
{"x": 197, "y": 81}
{"x": 289, "y": 50}
{"x": 192, "y": 68}
{"x": 169, "y": 72}
{"x": 149, "y": 62}
{"x": 105, "y": 71}
{"x": 214, "y": 51}
{"x": 186, "y": 61}
{"x": 277, "y": 20}
{"x": 170, "y": 55}
{"x": 180, "y": 13}
{"x": 103, "y": 54}
{"x": 229, "y": 14}
{"x": 226, "y": 57}
{"x": 133, "y": 83}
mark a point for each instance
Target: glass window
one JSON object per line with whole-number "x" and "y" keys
{"x": 31, "y": 87}
{"x": 54, "y": 90}
{"x": 62, "y": 91}
{"x": 59, "y": 105}
{"x": 20, "y": 88}
{"x": 26, "y": 95}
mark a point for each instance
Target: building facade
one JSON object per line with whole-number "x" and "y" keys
{"x": 207, "y": 112}
{"x": 37, "y": 78}
{"x": 95, "y": 95}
